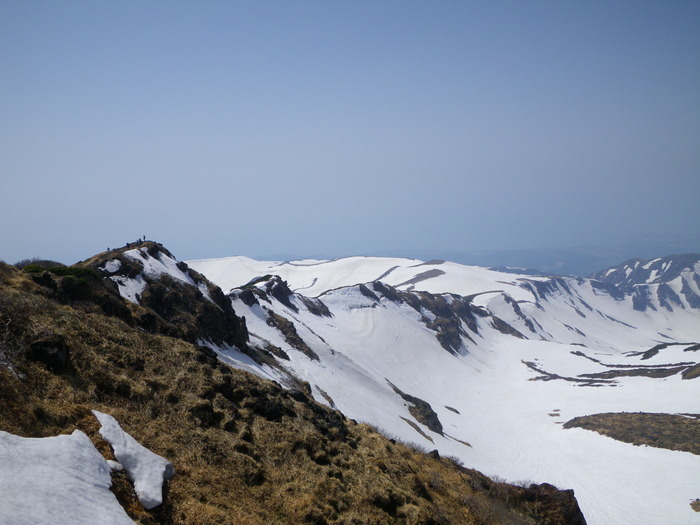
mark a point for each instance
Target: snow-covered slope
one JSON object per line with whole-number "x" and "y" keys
{"x": 314, "y": 277}
{"x": 487, "y": 366}
{"x": 564, "y": 309}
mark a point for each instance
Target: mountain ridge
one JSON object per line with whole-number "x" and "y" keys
{"x": 245, "y": 450}
{"x": 454, "y": 360}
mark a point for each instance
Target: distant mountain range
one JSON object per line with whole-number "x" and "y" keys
{"x": 581, "y": 261}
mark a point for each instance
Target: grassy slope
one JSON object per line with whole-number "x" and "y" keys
{"x": 245, "y": 450}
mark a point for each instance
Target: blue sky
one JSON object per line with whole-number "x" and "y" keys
{"x": 338, "y": 128}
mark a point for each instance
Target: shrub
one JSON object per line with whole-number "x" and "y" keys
{"x": 80, "y": 273}
{"x": 62, "y": 271}
{"x": 16, "y": 320}
{"x": 32, "y": 268}
{"x": 42, "y": 264}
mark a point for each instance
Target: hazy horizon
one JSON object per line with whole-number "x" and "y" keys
{"x": 223, "y": 128}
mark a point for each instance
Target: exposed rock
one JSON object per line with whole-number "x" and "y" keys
{"x": 247, "y": 296}
{"x": 51, "y": 349}
{"x": 668, "y": 298}
{"x": 609, "y": 288}
{"x": 387, "y": 291}
{"x": 505, "y": 328}
{"x": 368, "y": 293}
{"x": 421, "y": 410}
{"x": 641, "y": 299}
{"x": 448, "y": 311}
{"x": 689, "y": 294}
{"x": 554, "y": 505}
{"x": 286, "y": 327}
{"x": 315, "y": 306}
{"x": 279, "y": 289}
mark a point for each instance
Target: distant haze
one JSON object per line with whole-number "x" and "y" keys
{"x": 337, "y": 128}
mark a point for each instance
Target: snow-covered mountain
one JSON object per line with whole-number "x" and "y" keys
{"x": 665, "y": 282}
{"x": 488, "y": 366}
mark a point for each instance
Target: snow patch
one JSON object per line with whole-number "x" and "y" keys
{"x": 61, "y": 479}
{"x": 112, "y": 266}
{"x": 154, "y": 267}
{"x": 130, "y": 289}
{"x": 145, "y": 469}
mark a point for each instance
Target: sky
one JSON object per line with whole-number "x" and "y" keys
{"x": 346, "y": 127}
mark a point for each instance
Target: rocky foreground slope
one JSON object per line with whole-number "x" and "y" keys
{"x": 137, "y": 335}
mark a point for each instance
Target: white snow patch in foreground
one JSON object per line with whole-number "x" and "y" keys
{"x": 145, "y": 469}
{"x": 61, "y": 479}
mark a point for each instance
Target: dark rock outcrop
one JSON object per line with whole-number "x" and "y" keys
{"x": 51, "y": 350}
{"x": 289, "y": 331}
{"x": 420, "y": 409}
{"x": 445, "y": 314}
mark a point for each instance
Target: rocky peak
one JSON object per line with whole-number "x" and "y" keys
{"x": 166, "y": 296}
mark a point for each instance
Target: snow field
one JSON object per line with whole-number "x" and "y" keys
{"x": 61, "y": 479}
{"x": 313, "y": 278}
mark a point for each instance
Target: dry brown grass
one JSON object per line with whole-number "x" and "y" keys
{"x": 245, "y": 450}
{"x": 692, "y": 373}
{"x": 671, "y": 431}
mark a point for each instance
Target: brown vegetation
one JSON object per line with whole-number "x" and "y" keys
{"x": 671, "y": 431}
{"x": 691, "y": 373}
